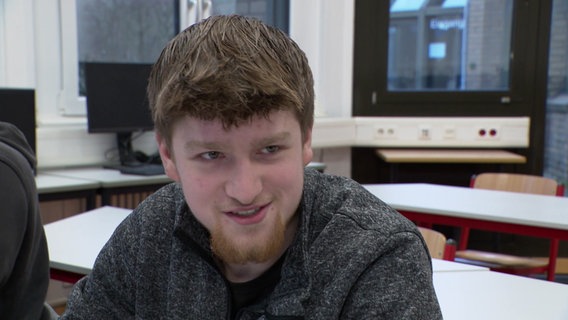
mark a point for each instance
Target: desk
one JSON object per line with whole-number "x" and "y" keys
{"x": 113, "y": 182}
{"x": 483, "y": 156}
{"x": 464, "y": 291}
{"x": 493, "y": 295}
{"x": 75, "y": 242}
{"x": 439, "y": 265}
{"x": 57, "y": 188}
{"x": 490, "y": 210}
{"x": 449, "y": 156}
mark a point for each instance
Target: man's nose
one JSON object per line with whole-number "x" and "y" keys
{"x": 244, "y": 183}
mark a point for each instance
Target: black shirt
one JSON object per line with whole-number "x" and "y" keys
{"x": 244, "y": 294}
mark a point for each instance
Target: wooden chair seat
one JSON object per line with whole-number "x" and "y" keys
{"x": 438, "y": 246}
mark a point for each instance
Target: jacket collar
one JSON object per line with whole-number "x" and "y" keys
{"x": 289, "y": 295}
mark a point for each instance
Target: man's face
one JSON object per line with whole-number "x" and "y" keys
{"x": 243, "y": 184}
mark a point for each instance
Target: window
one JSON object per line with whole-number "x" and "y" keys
{"x": 123, "y": 31}
{"x": 449, "y": 45}
{"x": 444, "y": 57}
{"x": 136, "y": 31}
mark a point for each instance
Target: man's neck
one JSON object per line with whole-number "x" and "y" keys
{"x": 239, "y": 273}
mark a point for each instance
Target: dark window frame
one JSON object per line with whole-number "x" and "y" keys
{"x": 370, "y": 94}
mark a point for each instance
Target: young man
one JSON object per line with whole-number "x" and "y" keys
{"x": 246, "y": 232}
{"x": 24, "y": 261}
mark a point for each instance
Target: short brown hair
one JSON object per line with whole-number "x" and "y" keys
{"x": 230, "y": 68}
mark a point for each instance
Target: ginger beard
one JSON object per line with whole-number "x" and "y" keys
{"x": 257, "y": 250}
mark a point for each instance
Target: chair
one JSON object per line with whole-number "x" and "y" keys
{"x": 503, "y": 262}
{"x": 438, "y": 246}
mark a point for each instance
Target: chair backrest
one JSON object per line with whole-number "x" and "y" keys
{"x": 516, "y": 182}
{"x": 435, "y": 241}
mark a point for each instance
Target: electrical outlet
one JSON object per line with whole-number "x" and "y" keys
{"x": 449, "y": 132}
{"x": 385, "y": 132}
{"x": 488, "y": 133}
{"x": 425, "y": 132}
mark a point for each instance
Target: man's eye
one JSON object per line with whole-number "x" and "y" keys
{"x": 211, "y": 155}
{"x": 270, "y": 149}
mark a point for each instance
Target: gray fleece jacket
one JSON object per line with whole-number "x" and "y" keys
{"x": 353, "y": 258}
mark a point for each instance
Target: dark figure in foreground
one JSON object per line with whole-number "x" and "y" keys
{"x": 24, "y": 260}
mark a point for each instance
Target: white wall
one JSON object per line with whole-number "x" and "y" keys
{"x": 16, "y": 44}
{"x": 324, "y": 30}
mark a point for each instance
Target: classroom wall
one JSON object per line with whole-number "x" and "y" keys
{"x": 32, "y": 48}
{"x": 17, "y": 66}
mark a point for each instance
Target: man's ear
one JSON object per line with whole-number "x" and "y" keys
{"x": 167, "y": 158}
{"x": 307, "y": 151}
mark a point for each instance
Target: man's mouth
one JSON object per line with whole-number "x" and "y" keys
{"x": 246, "y": 213}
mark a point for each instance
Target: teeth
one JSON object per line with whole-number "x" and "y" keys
{"x": 247, "y": 213}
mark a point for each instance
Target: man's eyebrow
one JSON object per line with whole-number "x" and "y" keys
{"x": 210, "y": 145}
{"x": 194, "y": 144}
{"x": 274, "y": 139}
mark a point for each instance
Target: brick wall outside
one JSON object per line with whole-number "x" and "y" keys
{"x": 556, "y": 134}
{"x": 556, "y": 143}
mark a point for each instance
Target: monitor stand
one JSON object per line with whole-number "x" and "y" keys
{"x": 128, "y": 162}
{"x": 125, "y": 152}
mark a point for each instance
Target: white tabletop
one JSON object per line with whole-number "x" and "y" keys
{"x": 464, "y": 291}
{"x": 439, "y": 265}
{"x": 489, "y": 205}
{"x": 109, "y": 178}
{"x": 491, "y": 295}
{"x": 51, "y": 184}
{"x": 75, "y": 242}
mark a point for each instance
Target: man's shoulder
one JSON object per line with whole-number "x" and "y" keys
{"x": 158, "y": 210}
{"x": 330, "y": 195}
{"x": 351, "y": 210}
{"x": 168, "y": 198}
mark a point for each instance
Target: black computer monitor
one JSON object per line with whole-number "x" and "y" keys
{"x": 117, "y": 103}
{"x": 17, "y": 106}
